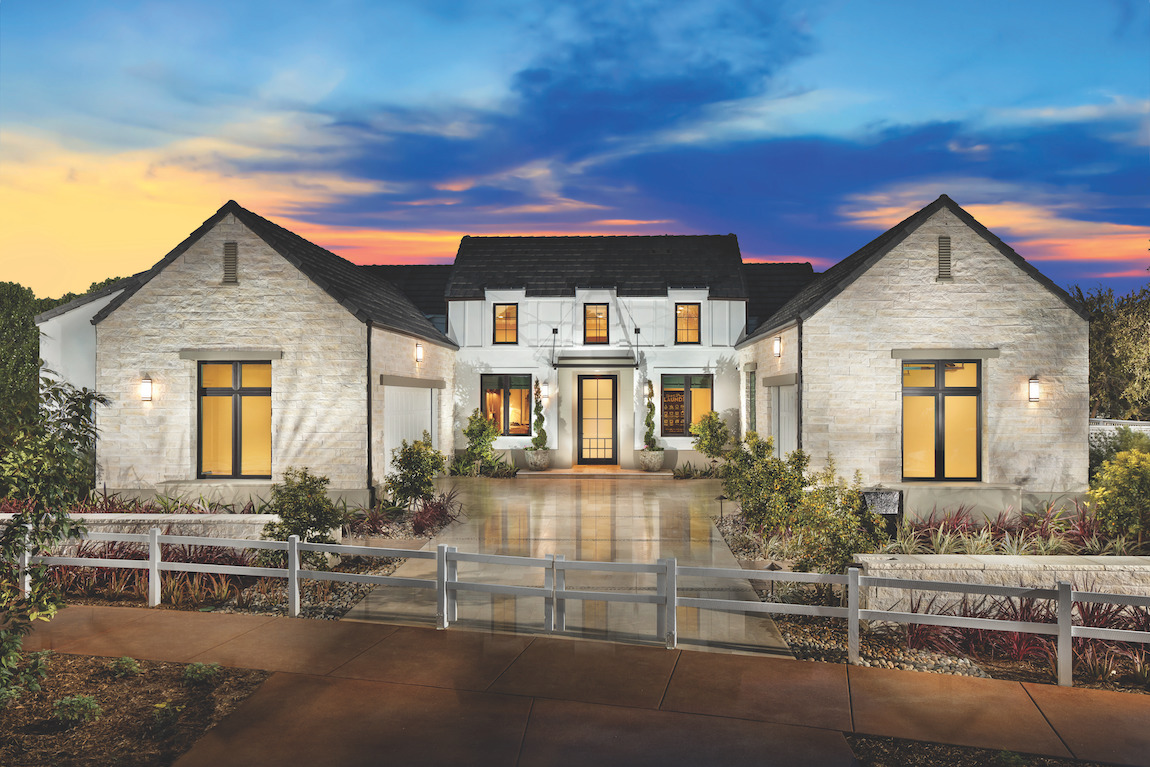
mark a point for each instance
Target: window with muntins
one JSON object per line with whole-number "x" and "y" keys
{"x": 941, "y": 420}
{"x": 506, "y": 324}
{"x": 595, "y": 324}
{"x": 752, "y": 419}
{"x": 686, "y": 323}
{"x": 685, "y": 399}
{"x": 507, "y": 402}
{"x": 235, "y": 420}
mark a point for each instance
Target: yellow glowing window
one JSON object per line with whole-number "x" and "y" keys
{"x": 686, "y": 399}
{"x": 235, "y": 434}
{"x": 506, "y": 323}
{"x": 686, "y": 323}
{"x": 941, "y": 424}
{"x": 507, "y": 401}
{"x": 595, "y": 324}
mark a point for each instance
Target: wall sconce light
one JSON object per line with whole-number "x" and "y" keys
{"x": 419, "y": 352}
{"x": 146, "y": 388}
{"x": 777, "y": 346}
{"x": 1035, "y": 389}
{"x": 544, "y": 390}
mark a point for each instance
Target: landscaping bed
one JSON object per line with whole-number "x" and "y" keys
{"x": 149, "y": 718}
{"x": 874, "y": 751}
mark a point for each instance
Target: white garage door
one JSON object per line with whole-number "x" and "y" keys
{"x": 407, "y": 413}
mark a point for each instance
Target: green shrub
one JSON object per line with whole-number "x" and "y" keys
{"x": 481, "y": 433}
{"x": 539, "y": 441}
{"x": 76, "y": 709}
{"x": 649, "y": 436}
{"x": 711, "y": 435}
{"x": 461, "y": 467}
{"x": 416, "y": 467}
{"x": 1121, "y": 494}
{"x": 767, "y": 488}
{"x": 9, "y": 694}
{"x": 125, "y": 666}
{"x": 834, "y": 523}
{"x": 305, "y": 510}
{"x": 1104, "y": 445}
{"x": 165, "y": 717}
{"x": 201, "y": 674}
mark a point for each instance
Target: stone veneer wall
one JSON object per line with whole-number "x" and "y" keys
{"x": 394, "y": 354}
{"x": 852, "y": 404}
{"x": 1111, "y": 575}
{"x": 319, "y": 416}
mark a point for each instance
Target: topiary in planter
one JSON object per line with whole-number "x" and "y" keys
{"x": 651, "y": 456}
{"x": 538, "y": 455}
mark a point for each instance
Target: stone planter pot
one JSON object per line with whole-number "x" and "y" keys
{"x": 538, "y": 460}
{"x": 651, "y": 460}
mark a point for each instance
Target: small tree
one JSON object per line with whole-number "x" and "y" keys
{"x": 539, "y": 441}
{"x": 305, "y": 510}
{"x": 767, "y": 488}
{"x": 416, "y": 467}
{"x": 481, "y": 433}
{"x": 711, "y": 435}
{"x": 649, "y": 436}
{"x": 834, "y": 522}
{"x": 1121, "y": 494}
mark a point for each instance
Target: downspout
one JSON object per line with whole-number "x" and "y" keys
{"x": 370, "y": 435}
{"x": 799, "y": 386}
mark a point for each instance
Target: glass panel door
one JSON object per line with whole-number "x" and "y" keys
{"x": 597, "y": 410}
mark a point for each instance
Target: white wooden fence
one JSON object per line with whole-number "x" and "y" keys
{"x": 666, "y": 598}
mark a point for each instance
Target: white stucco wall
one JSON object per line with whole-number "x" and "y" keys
{"x": 68, "y": 343}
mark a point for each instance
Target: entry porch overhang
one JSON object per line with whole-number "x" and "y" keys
{"x": 614, "y": 358}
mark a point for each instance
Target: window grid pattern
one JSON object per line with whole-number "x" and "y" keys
{"x": 595, "y": 326}
{"x": 942, "y": 421}
{"x": 687, "y": 324}
{"x": 234, "y": 420}
{"x": 506, "y": 324}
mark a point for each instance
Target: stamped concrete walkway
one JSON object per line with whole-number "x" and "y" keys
{"x": 366, "y": 694}
{"x": 624, "y": 519}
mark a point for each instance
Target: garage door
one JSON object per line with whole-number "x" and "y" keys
{"x": 407, "y": 413}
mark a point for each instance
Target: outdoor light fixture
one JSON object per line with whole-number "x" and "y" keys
{"x": 419, "y": 352}
{"x": 1035, "y": 389}
{"x": 544, "y": 390}
{"x": 778, "y": 346}
{"x": 146, "y": 388}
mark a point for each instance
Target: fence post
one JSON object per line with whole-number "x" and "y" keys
{"x": 154, "y": 558}
{"x": 293, "y": 575}
{"x": 1065, "y": 636}
{"x": 661, "y": 607}
{"x": 672, "y": 635}
{"x": 853, "y": 615}
{"x": 452, "y": 577}
{"x": 549, "y": 602}
{"x": 441, "y": 586}
{"x": 560, "y": 602}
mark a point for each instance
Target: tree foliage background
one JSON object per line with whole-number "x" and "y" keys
{"x": 1119, "y": 352}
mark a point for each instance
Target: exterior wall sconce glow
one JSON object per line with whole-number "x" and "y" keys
{"x": 146, "y": 388}
{"x": 419, "y": 352}
{"x": 1035, "y": 389}
{"x": 777, "y": 346}
{"x": 544, "y": 390}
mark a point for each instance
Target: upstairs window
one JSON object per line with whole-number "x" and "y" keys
{"x": 685, "y": 399}
{"x": 686, "y": 323}
{"x": 595, "y": 324}
{"x": 507, "y": 402}
{"x": 506, "y": 324}
{"x": 941, "y": 422}
{"x": 235, "y": 424}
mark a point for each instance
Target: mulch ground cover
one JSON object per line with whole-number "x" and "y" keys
{"x": 130, "y": 731}
{"x": 894, "y": 752}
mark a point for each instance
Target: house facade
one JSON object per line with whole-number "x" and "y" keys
{"x": 934, "y": 360}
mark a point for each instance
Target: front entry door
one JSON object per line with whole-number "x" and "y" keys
{"x": 597, "y": 421}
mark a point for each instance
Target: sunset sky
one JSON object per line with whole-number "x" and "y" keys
{"x": 385, "y": 131}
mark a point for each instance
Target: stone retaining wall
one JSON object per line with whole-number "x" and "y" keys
{"x": 242, "y": 526}
{"x": 1114, "y": 575}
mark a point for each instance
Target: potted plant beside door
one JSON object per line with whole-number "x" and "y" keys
{"x": 651, "y": 456}
{"x": 538, "y": 455}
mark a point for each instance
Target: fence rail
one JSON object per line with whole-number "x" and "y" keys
{"x": 666, "y": 599}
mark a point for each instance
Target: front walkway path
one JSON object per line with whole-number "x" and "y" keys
{"x": 604, "y": 520}
{"x": 367, "y": 694}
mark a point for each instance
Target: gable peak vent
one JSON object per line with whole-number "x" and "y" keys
{"x": 944, "y": 259}
{"x": 231, "y": 262}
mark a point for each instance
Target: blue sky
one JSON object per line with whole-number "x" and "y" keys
{"x": 385, "y": 131}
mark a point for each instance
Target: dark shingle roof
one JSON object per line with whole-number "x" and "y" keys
{"x": 78, "y": 301}
{"x": 769, "y": 286}
{"x": 424, "y": 284}
{"x": 632, "y": 265}
{"x": 369, "y": 297}
{"x": 836, "y": 279}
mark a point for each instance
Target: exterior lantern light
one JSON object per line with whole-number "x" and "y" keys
{"x": 419, "y": 352}
{"x": 1035, "y": 389}
{"x": 544, "y": 389}
{"x": 146, "y": 388}
{"x": 777, "y": 346}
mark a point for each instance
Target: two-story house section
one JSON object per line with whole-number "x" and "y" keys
{"x": 593, "y": 319}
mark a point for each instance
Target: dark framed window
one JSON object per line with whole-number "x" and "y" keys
{"x": 687, "y": 323}
{"x": 507, "y": 402}
{"x": 595, "y": 327}
{"x": 942, "y": 420}
{"x": 752, "y": 416}
{"x": 506, "y": 324}
{"x": 686, "y": 399}
{"x": 235, "y": 420}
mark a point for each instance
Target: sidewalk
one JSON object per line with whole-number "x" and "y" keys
{"x": 363, "y": 694}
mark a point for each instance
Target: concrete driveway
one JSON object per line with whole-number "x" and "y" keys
{"x": 602, "y": 520}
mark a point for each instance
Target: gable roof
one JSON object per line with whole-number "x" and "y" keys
{"x": 769, "y": 286}
{"x": 835, "y": 280}
{"x": 88, "y": 298}
{"x": 369, "y": 297}
{"x": 633, "y": 265}
{"x": 424, "y": 284}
